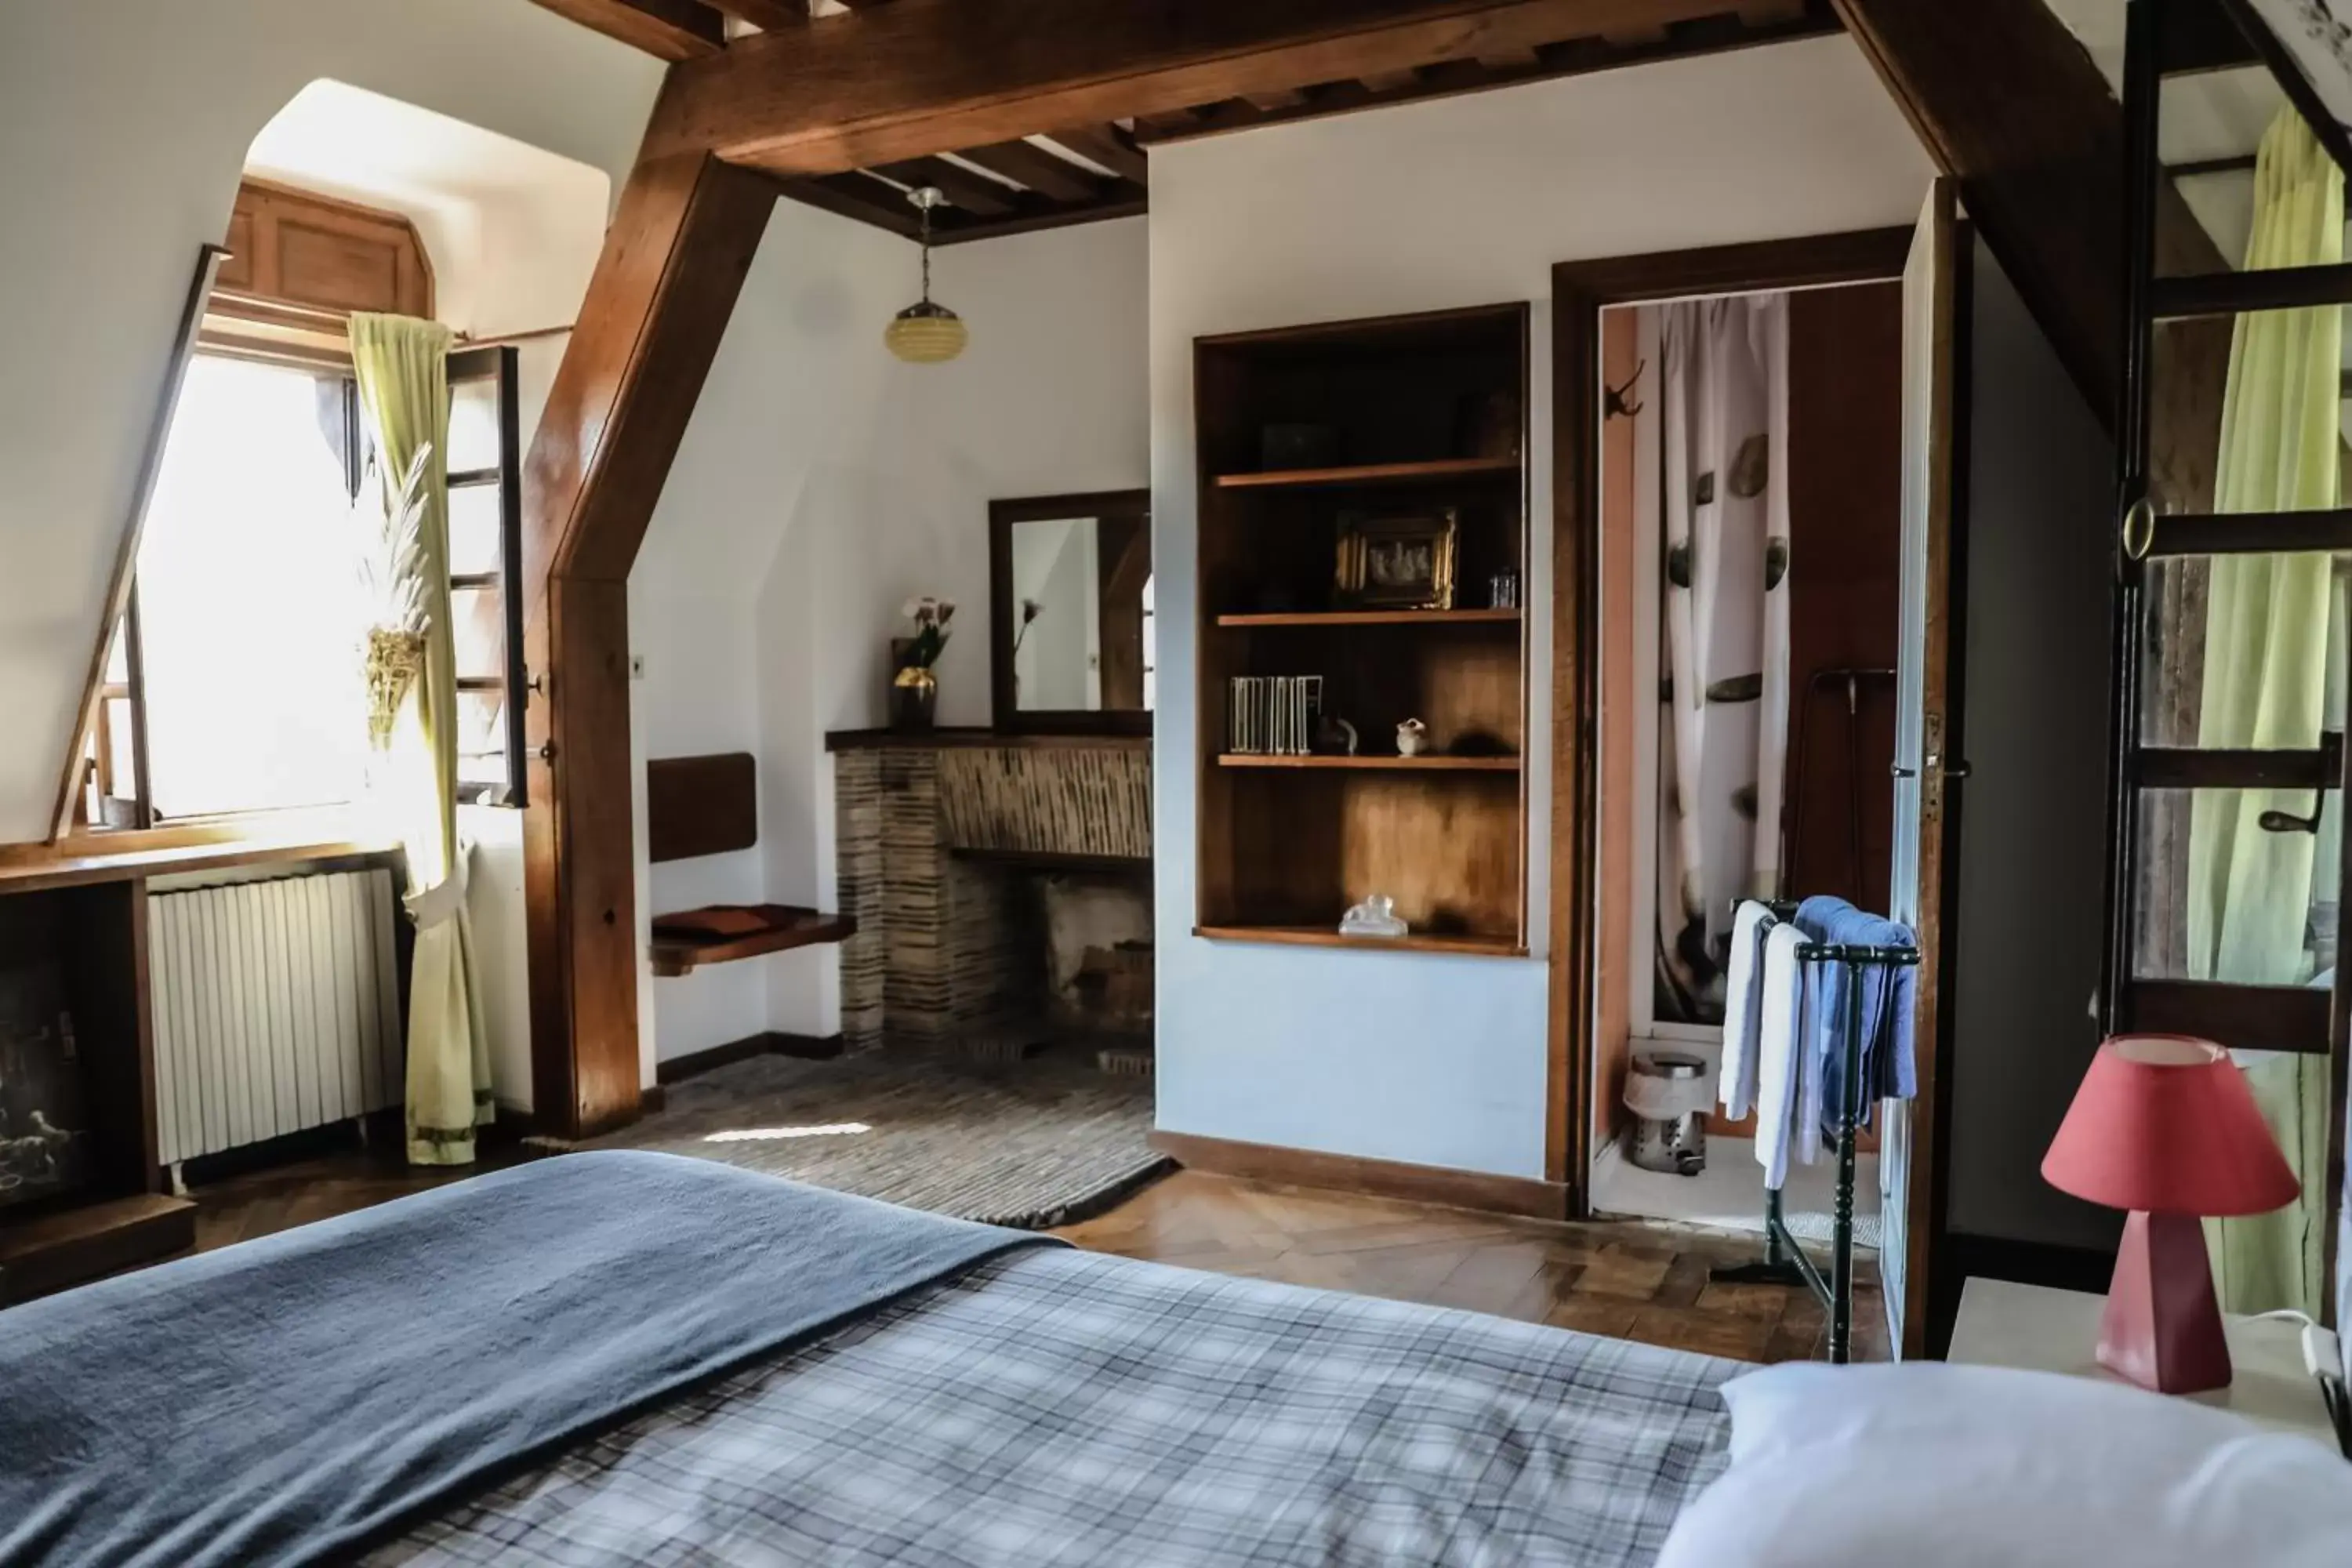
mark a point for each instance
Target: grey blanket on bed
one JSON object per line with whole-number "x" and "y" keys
{"x": 282, "y": 1401}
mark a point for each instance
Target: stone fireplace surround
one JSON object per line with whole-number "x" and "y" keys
{"x": 995, "y": 879}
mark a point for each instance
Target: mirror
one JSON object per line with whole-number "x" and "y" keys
{"x": 1070, "y": 602}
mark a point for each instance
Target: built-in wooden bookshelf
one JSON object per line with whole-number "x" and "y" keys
{"x": 1304, "y": 432}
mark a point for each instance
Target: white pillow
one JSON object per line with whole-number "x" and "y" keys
{"x": 1926, "y": 1465}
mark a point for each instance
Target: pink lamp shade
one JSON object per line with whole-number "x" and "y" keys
{"x": 2165, "y": 1123}
{"x": 2164, "y": 1126}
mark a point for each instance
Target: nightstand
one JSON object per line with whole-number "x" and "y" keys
{"x": 2032, "y": 1326}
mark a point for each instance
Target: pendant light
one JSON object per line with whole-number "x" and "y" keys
{"x": 925, "y": 333}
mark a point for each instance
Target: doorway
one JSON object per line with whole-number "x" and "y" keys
{"x": 1804, "y": 385}
{"x": 1748, "y": 705}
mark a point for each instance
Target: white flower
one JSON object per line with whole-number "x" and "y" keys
{"x": 911, "y": 608}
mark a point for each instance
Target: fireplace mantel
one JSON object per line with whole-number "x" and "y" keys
{"x": 937, "y": 833}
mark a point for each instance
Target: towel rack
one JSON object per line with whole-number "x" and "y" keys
{"x": 1784, "y": 1261}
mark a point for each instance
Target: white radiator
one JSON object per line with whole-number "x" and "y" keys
{"x": 276, "y": 1008}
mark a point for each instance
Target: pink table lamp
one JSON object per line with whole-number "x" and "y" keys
{"x": 2164, "y": 1126}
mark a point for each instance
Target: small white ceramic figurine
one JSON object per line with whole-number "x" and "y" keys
{"x": 1413, "y": 738}
{"x": 1376, "y": 916}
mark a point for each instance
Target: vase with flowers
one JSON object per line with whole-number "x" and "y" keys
{"x": 914, "y": 688}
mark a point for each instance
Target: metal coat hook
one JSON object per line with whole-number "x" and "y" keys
{"x": 1612, "y": 398}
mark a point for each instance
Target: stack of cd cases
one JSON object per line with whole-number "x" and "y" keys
{"x": 1273, "y": 715}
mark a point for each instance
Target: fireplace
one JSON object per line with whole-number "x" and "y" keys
{"x": 1002, "y": 887}
{"x": 45, "y": 1122}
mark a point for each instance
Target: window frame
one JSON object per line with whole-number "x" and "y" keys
{"x": 497, "y": 362}
{"x": 501, "y": 363}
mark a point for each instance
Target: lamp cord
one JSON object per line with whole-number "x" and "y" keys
{"x": 927, "y": 255}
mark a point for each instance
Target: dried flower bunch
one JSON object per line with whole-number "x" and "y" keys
{"x": 931, "y": 616}
{"x": 391, "y": 545}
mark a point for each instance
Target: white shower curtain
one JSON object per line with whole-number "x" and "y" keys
{"x": 1723, "y": 632}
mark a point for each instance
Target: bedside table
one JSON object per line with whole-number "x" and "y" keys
{"x": 2034, "y": 1326}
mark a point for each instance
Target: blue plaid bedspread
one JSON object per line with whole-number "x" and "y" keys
{"x": 1055, "y": 1408}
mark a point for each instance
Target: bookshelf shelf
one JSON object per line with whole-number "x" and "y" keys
{"x": 1421, "y": 765}
{"x": 1437, "y": 405}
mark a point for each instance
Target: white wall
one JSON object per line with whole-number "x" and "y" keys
{"x": 1466, "y": 201}
{"x": 125, "y": 126}
{"x": 820, "y": 484}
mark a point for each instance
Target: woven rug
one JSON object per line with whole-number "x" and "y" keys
{"x": 1034, "y": 1144}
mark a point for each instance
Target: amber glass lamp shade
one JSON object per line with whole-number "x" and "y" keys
{"x": 926, "y": 333}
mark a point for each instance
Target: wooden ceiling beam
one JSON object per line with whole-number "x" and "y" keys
{"x": 666, "y": 29}
{"x": 1107, "y": 145}
{"x": 1056, "y": 178}
{"x": 857, "y": 197}
{"x": 2007, "y": 102}
{"x": 1126, "y": 201}
{"x": 1721, "y": 27}
{"x": 975, "y": 194}
{"x": 910, "y": 80}
{"x": 768, "y": 16}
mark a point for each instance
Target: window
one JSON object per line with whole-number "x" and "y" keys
{"x": 233, "y": 682}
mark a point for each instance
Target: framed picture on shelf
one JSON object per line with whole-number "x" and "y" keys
{"x": 1397, "y": 562}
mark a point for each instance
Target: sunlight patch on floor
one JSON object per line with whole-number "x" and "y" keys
{"x": 772, "y": 1134}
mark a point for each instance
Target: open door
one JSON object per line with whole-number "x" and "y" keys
{"x": 1923, "y": 720}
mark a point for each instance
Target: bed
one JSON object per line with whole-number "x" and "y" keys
{"x": 632, "y": 1358}
{"x": 692, "y": 1363}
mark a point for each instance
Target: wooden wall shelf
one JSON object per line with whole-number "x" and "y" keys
{"x": 782, "y": 928}
{"x": 1371, "y": 474}
{"x": 1374, "y": 618}
{"x": 1286, "y": 843}
{"x": 1329, "y": 936}
{"x": 1421, "y": 764}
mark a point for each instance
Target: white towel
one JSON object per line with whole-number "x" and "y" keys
{"x": 1780, "y": 1050}
{"x": 1743, "y": 1002}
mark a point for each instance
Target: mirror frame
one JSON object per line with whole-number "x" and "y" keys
{"x": 1002, "y": 517}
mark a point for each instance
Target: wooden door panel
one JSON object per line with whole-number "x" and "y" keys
{"x": 1923, "y": 724}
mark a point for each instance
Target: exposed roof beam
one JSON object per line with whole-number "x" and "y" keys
{"x": 1720, "y": 29}
{"x": 975, "y": 194}
{"x": 1039, "y": 170}
{"x": 905, "y": 80}
{"x": 768, "y": 16}
{"x": 857, "y": 197}
{"x": 1109, "y": 145}
{"x": 2007, "y": 101}
{"x": 668, "y": 29}
{"x": 1128, "y": 203}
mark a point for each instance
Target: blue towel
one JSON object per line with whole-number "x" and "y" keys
{"x": 288, "y": 1400}
{"x": 1889, "y": 1002}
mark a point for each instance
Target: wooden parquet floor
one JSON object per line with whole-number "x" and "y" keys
{"x": 1626, "y": 1280}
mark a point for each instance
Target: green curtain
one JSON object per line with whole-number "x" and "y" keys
{"x": 2265, "y": 685}
{"x": 403, "y": 369}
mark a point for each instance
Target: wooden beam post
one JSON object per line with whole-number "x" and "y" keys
{"x": 2008, "y": 102}
{"x": 673, "y": 264}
